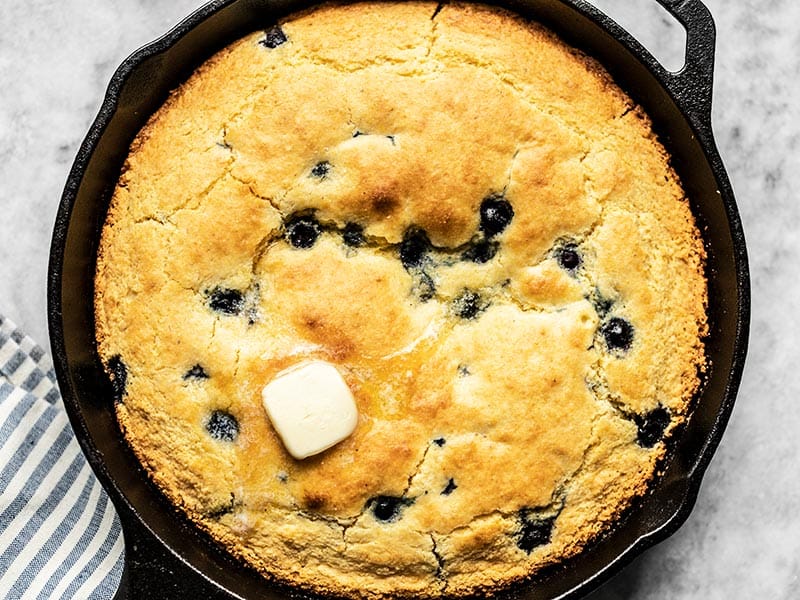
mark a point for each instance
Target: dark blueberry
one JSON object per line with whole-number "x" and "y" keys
{"x": 321, "y": 169}
{"x": 449, "y": 488}
{"x": 463, "y": 371}
{"x": 652, "y": 426}
{"x": 223, "y": 426}
{"x": 534, "y": 531}
{"x": 618, "y": 334}
{"x": 302, "y": 232}
{"x": 468, "y": 305}
{"x": 274, "y": 37}
{"x": 227, "y": 301}
{"x": 481, "y": 252}
{"x": 353, "y": 235}
{"x": 119, "y": 377}
{"x": 424, "y": 287}
{"x": 387, "y": 508}
{"x": 496, "y": 214}
{"x": 568, "y": 257}
{"x": 414, "y": 248}
{"x": 602, "y": 305}
{"x": 439, "y": 442}
{"x": 196, "y": 372}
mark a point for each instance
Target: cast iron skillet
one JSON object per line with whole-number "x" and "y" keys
{"x": 165, "y": 556}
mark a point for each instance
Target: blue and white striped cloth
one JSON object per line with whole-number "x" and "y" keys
{"x": 59, "y": 535}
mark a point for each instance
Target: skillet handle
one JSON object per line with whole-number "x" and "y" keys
{"x": 152, "y": 572}
{"x": 692, "y": 85}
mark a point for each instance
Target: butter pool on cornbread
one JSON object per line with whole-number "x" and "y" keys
{"x": 474, "y": 226}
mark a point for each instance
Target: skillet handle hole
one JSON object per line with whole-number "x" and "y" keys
{"x": 653, "y": 26}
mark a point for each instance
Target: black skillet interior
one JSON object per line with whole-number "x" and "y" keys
{"x": 165, "y": 556}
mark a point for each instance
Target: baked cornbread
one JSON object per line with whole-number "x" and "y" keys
{"x": 474, "y": 226}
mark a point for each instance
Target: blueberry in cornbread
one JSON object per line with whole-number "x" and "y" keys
{"x": 414, "y": 247}
{"x": 222, "y": 425}
{"x": 481, "y": 252}
{"x": 353, "y": 235}
{"x": 569, "y": 257}
{"x": 533, "y": 531}
{"x": 273, "y": 38}
{"x": 387, "y": 508}
{"x": 227, "y": 301}
{"x": 321, "y": 169}
{"x": 196, "y": 372}
{"x": 302, "y": 232}
{"x": 617, "y": 333}
{"x": 496, "y": 214}
{"x": 651, "y": 426}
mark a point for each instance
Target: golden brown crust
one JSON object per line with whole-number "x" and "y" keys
{"x": 501, "y": 422}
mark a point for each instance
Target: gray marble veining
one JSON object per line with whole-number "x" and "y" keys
{"x": 743, "y": 538}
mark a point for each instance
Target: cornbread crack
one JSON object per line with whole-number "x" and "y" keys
{"x": 475, "y": 226}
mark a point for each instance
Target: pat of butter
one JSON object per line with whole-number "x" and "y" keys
{"x": 310, "y": 407}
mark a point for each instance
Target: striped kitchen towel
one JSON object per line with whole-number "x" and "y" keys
{"x": 59, "y": 535}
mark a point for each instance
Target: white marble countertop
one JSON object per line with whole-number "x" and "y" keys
{"x": 743, "y": 538}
